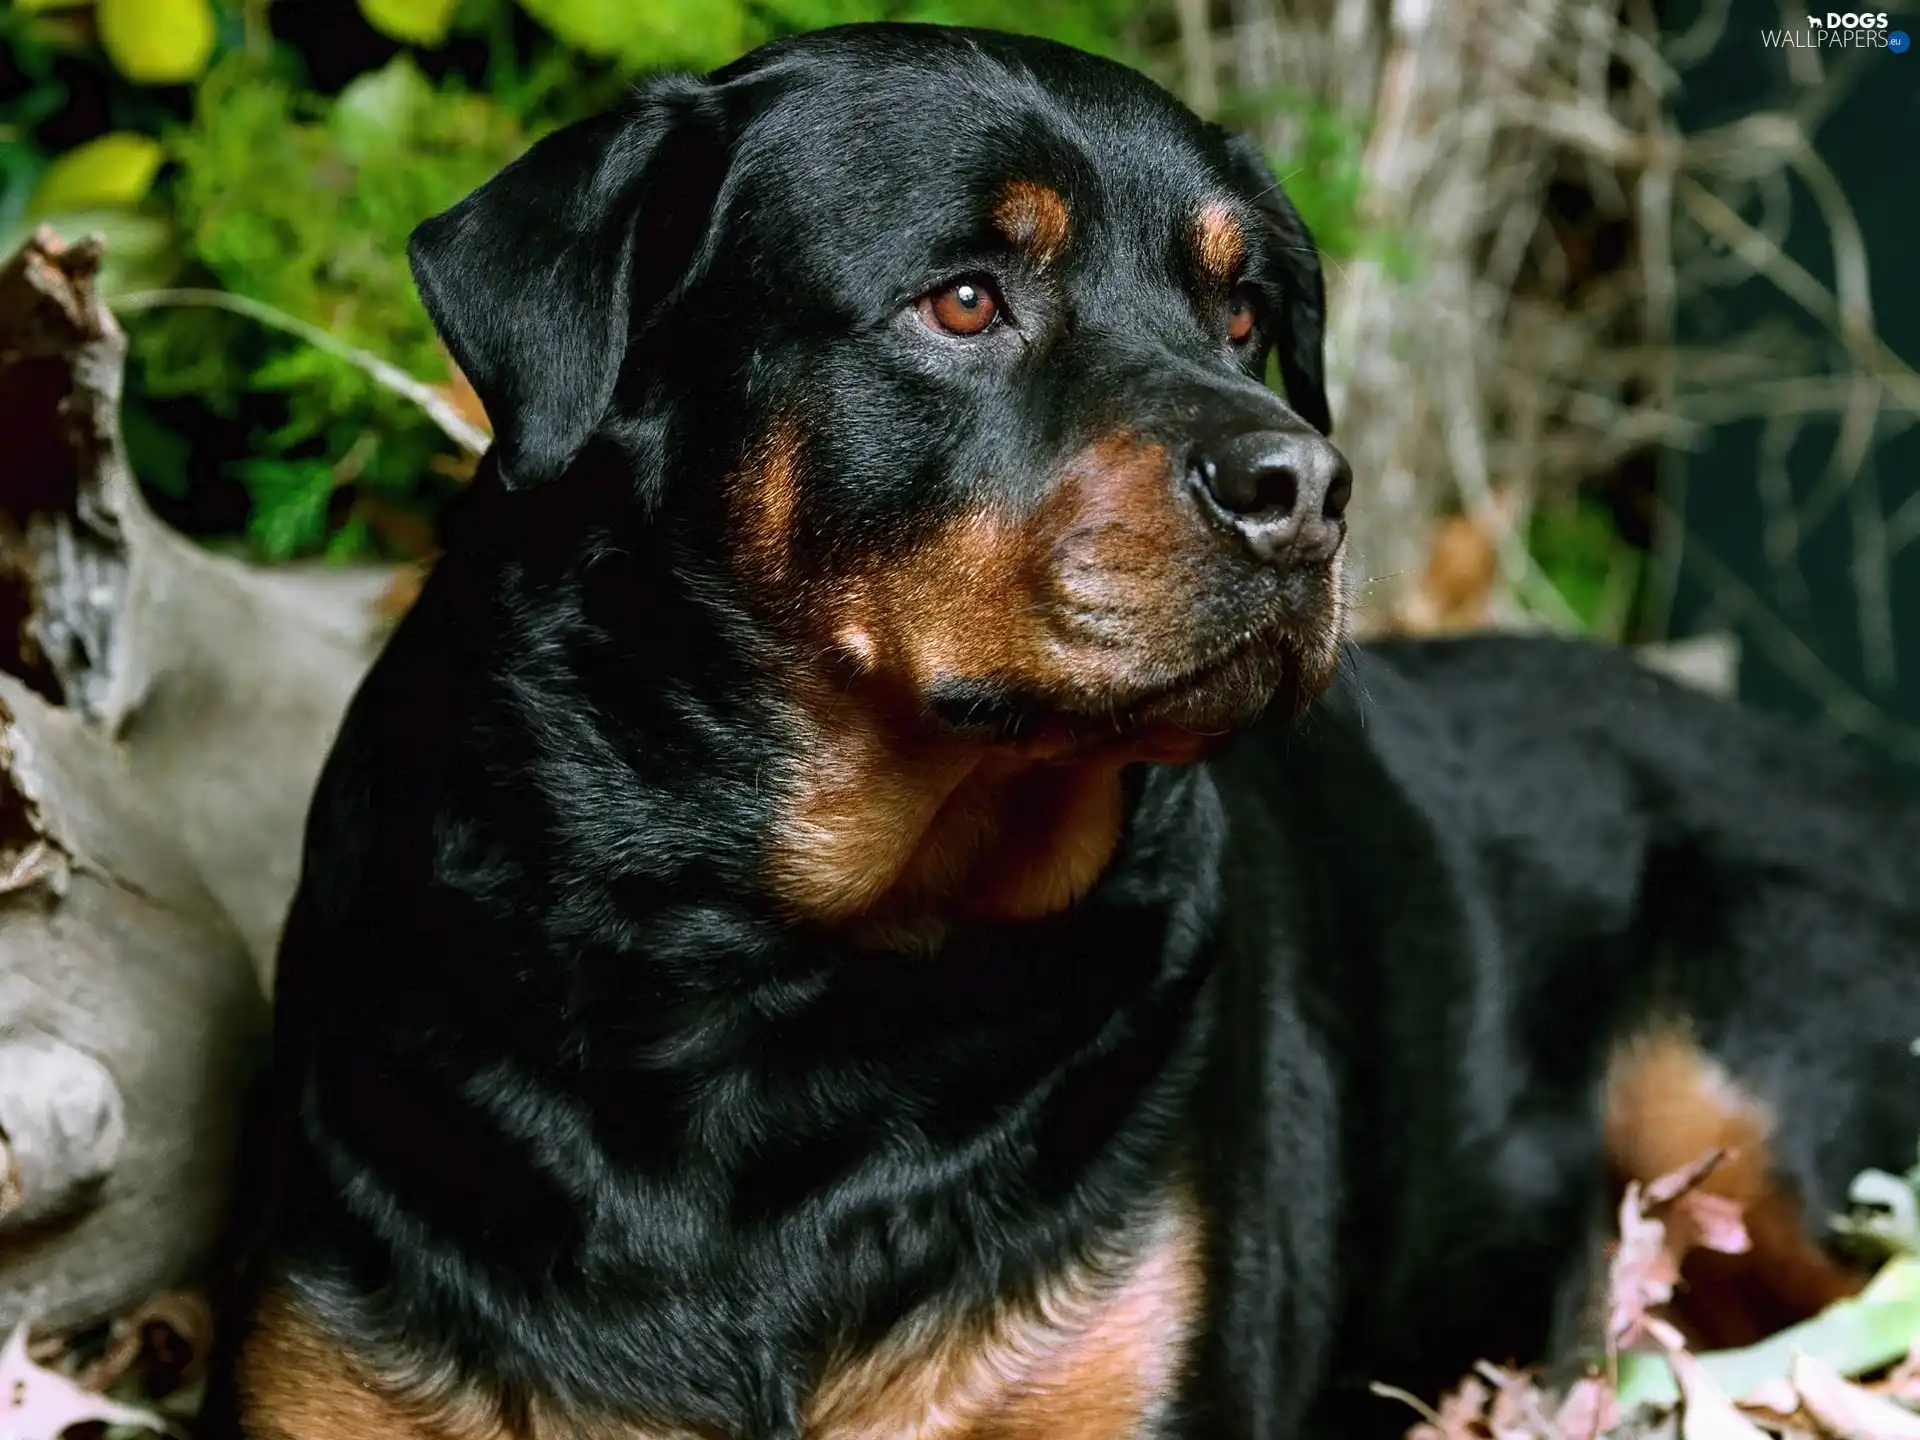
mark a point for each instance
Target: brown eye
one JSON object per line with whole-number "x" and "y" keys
{"x": 1240, "y": 317}
{"x": 964, "y": 308}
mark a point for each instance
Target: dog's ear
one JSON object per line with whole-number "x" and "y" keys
{"x": 539, "y": 280}
{"x": 1290, "y": 274}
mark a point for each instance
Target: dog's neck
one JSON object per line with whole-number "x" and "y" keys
{"x": 830, "y": 799}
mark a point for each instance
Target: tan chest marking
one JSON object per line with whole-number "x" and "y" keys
{"x": 1097, "y": 1354}
{"x": 1092, "y": 1357}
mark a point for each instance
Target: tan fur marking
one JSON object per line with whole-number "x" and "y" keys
{"x": 297, "y": 1384}
{"x": 1096, "y": 1355}
{"x": 767, "y": 502}
{"x": 890, "y": 821}
{"x": 1033, "y": 217}
{"x": 1219, "y": 243}
{"x": 896, "y": 827}
{"x": 1667, "y": 1104}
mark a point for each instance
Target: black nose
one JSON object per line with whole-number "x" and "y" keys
{"x": 1284, "y": 491}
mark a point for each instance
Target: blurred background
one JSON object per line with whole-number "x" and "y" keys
{"x": 1623, "y": 323}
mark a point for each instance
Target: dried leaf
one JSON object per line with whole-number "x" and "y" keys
{"x": 167, "y": 1340}
{"x": 1847, "y": 1411}
{"x": 1699, "y": 1221}
{"x": 1676, "y": 1183}
{"x": 1903, "y": 1381}
{"x": 1706, "y": 1412}
{"x": 1643, "y": 1272}
{"x": 1658, "y": 1226}
{"x": 37, "y": 1404}
{"x": 1775, "y": 1395}
{"x": 1517, "y": 1412}
{"x": 1588, "y": 1411}
{"x": 1461, "y": 1415}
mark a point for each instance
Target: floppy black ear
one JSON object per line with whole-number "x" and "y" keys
{"x": 1291, "y": 266}
{"x": 538, "y": 280}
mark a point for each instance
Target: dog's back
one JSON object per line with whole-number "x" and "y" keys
{"x": 1549, "y": 922}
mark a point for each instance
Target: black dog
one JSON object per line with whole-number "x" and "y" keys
{"x": 805, "y": 931}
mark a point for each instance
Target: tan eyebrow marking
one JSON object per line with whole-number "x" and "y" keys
{"x": 1219, "y": 242}
{"x": 1033, "y": 217}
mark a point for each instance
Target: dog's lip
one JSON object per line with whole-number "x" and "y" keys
{"x": 1170, "y": 713}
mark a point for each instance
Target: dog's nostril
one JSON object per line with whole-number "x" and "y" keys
{"x": 1244, "y": 484}
{"x": 1276, "y": 490}
{"x": 1334, "y": 507}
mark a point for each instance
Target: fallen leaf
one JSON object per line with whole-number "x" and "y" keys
{"x": 1669, "y": 1187}
{"x": 1643, "y": 1272}
{"x": 37, "y": 1404}
{"x": 1903, "y": 1381}
{"x": 1461, "y": 1415}
{"x": 1699, "y": 1221}
{"x": 1705, "y": 1411}
{"x": 1588, "y": 1411}
{"x": 1658, "y": 1226}
{"x": 1775, "y": 1395}
{"x": 1847, "y": 1411}
{"x": 1856, "y": 1337}
{"x": 167, "y": 1340}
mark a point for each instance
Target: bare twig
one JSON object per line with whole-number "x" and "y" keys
{"x": 435, "y": 405}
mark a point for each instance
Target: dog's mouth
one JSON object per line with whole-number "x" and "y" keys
{"x": 1167, "y": 714}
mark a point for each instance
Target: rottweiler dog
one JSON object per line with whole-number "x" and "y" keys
{"x": 869, "y": 897}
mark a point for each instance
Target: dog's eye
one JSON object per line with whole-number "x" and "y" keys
{"x": 966, "y": 307}
{"x": 1240, "y": 316}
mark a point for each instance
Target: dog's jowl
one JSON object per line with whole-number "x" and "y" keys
{"x": 868, "y": 897}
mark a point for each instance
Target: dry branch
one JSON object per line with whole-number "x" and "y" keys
{"x": 162, "y": 715}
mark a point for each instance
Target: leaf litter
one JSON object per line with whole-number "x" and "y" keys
{"x": 1850, "y": 1373}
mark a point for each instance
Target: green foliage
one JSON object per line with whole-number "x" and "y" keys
{"x": 1579, "y": 550}
{"x": 1323, "y": 175}
{"x": 329, "y": 248}
{"x": 705, "y": 33}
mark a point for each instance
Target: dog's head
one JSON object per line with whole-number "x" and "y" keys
{"x": 955, "y": 344}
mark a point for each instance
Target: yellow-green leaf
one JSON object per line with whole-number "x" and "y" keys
{"x": 414, "y": 22}
{"x": 157, "y": 42}
{"x": 111, "y": 172}
{"x": 654, "y": 34}
{"x": 29, "y": 7}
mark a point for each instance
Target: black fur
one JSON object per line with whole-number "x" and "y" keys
{"x": 571, "y": 1107}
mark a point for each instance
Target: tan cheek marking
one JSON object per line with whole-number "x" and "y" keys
{"x": 1090, "y": 1358}
{"x": 765, "y": 505}
{"x": 1667, "y": 1104}
{"x": 1219, "y": 243}
{"x": 1033, "y": 217}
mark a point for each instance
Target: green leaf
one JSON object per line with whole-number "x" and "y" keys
{"x": 1855, "y": 1336}
{"x": 656, "y": 34}
{"x": 352, "y": 541}
{"x": 380, "y": 105}
{"x": 413, "y": 22}
{"x": 290, "y": 500}
{"x": 157, "y": 42}
{"x": 110, "y": 172}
